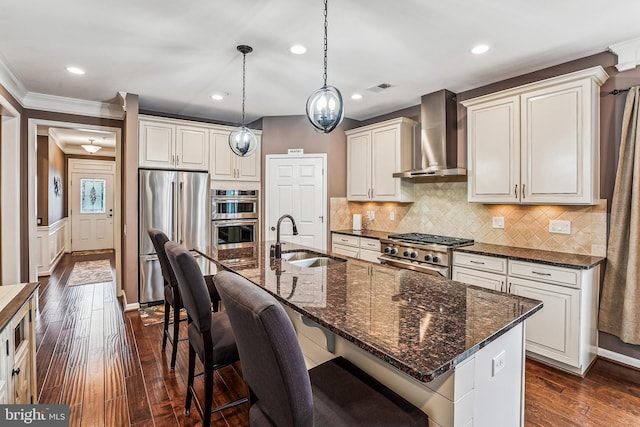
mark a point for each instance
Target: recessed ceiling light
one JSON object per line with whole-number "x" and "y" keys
{"x": 298, "y": 49}
{"x": 75, "y": 70}
{"x": 217, "y": 97}
{"x": 480, "y": 49}
{"x": 356, "y": 96}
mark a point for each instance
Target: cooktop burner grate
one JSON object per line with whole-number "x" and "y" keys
{"x": 421, "y": 238}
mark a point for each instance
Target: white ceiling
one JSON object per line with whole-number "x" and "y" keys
{"x": 175, "y": 54}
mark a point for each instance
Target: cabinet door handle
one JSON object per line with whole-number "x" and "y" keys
{"x": 515, "y": 191}
{"x": 509, "y": 291}
{"x": 501, "y": 285}
{"x": 523, "y": 193}
{"x": 476, "y": 262}
{"x": 15, "y": 372}
{"x": 177, "y": 159}
{"x": 541, "y": 274}
{"x": 372, "y": 193}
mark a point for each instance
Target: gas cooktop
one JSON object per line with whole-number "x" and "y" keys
{"x": 430, "y": 239}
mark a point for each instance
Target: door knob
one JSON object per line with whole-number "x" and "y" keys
{"x": 273, "y": 229}
{"x": 15, "y": 372}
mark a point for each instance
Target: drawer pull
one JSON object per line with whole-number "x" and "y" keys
{"x": 476, "y": 262}
{"x": 541, "y": 274}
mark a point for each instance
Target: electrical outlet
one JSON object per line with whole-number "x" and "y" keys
{"x": 497, "y": 222}
{"x": 498, "y": 363}
{"x": 371, "y": 215}
{"x": 392, "y": 216}
{"x": 559, "y": 227}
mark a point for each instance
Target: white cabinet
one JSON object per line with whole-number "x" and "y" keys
{"x": 225, "y": 165}
{"x": 18, "y": 357}
{"x": 374, "y": 154}
{"x": 538, "y": 143}
{"x": 564, "y": 332}
{"x": 356, "y": 247}
{"x": 169, "y": 144}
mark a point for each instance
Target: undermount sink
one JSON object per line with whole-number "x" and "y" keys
{"x": 309, "y": 259}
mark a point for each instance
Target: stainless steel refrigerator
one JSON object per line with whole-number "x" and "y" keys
{"x": 177, "y": 203}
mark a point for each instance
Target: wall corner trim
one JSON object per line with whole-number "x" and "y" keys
{"x": 12, "y": 83}
{"x": 620, "y": 358}
{"x": 628, "y": 54}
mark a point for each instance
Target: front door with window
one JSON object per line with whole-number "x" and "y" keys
{"x": 91, "y": 210}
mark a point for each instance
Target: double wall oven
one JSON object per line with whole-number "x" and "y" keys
{"x": 235, "y": 224}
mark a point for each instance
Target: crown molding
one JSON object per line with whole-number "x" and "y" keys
{"x": 60, "y": 104}
{"x": 628, "y": 54}
{"x": 11, "y": 82}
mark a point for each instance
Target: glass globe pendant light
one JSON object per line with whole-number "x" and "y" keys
{"x": 325, "y": 109}
{"x": 243, "y": 141}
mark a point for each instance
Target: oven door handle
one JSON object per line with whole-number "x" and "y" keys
{"x": 231, "y": 222}
{"x": 422, "y": 268}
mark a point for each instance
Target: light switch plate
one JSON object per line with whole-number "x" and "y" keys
{"x": 559, "y": 227}
{"x": 392, "y": 216}
{"x": 497, "y": 222}
{"x": 497, "y": 363}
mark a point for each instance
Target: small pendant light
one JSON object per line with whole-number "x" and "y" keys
{"x": 325, "y": 109}
{"x": 243, "y": 141}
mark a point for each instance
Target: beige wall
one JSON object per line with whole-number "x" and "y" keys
{"x": 57, "y": 205}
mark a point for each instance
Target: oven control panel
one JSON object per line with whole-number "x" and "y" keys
{"x": 434, "y": 256}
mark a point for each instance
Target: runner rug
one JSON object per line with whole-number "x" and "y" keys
{"x": 87, "y": 272}
{"x": 154, "y": 314}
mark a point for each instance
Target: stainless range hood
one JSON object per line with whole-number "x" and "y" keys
{"x": 435, "y": 151}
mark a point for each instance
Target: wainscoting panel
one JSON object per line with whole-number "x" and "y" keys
{"x": 52, "y": 243}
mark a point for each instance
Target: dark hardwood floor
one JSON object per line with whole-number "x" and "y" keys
{"x": 110, "y": 369}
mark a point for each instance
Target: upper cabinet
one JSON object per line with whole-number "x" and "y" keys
{"x": 225, "y": 165}
{"x": 374, "y": 153}
{"x": 538, "y": 143}
{"x": 166, "y": 144}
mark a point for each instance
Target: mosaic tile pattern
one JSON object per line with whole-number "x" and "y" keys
{"x": 442, "y": 208}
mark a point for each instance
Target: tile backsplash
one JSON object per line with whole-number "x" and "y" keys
{"x": 442, "y": 208}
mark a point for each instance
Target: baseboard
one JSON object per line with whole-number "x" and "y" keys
{"x": 620, "y": 358}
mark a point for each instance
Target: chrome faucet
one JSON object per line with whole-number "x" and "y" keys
{"x": 277, "y": 248}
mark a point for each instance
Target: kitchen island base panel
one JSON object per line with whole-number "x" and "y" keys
{"x": 475, "y": 392}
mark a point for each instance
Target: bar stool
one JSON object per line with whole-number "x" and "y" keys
{"x": 283, "y": 393}
{"x": 171, "y": 296}
{"x": 210, "y": 335}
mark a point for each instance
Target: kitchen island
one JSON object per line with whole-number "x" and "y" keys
{"x": 454, "y": 350}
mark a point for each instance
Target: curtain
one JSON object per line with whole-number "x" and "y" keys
{"x": 620, "y": 304}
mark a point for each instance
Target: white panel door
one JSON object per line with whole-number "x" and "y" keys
{"x": 359, "y": 166}
{"x": 494, "y": 151}
{"x": 91, "y": 210}
{"x": 221, "y": 162}
{"x": 156, "y": 145}
{"x": 297, "y": 186}
{"x": 192, "y": 148}
{"x": 385, "y": 155}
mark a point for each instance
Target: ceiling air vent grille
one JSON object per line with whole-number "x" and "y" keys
{"x": 380, "y": 87}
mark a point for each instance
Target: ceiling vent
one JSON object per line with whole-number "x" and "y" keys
{"x": 380, "y": 87}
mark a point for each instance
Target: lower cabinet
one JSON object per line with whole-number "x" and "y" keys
{"x": 564, "y": 332}
{"x": 553, "y": 332}
{"x": 17, "y": 358}
{"x": 356, "y": 247}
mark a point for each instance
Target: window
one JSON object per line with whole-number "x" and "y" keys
{"x": 92, "y": 195}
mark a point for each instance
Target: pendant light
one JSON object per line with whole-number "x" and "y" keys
{"x": 243, "y": 141}
{"x": 91, "y": 148}
{"x": 325, "y": 109}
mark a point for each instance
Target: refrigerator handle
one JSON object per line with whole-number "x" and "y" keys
{"x": 174, "y": 236}
{"x": 178, "y": 216}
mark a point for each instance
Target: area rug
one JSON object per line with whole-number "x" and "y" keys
{"x": 154, "y": 314}
{"x": 87, "y": 272}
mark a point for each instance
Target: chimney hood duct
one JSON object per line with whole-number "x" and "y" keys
{"x": 435, "y": 151}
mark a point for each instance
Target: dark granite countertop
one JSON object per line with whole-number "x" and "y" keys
{"x": 373, "y": 234}
{"x": 559, "y": 259}
{"x": 421, "y": 324}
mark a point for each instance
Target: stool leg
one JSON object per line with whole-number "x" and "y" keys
{"x": 208, "y": 395}
{"x": 190, "y": 375}
{"x": 166, "y": 324}
{"x": 176, "y": 336}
